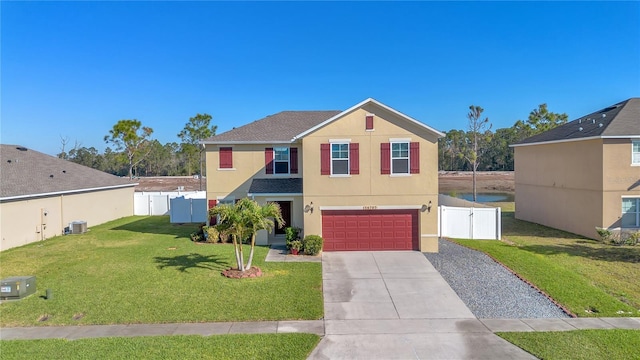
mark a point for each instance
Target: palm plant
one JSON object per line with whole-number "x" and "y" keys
{"x": 244, "y": 218}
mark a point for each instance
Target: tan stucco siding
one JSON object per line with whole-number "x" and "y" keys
{"x": 371, "y": 188}
{"x": 560, "y": 185}
{"x": 573, "y": 210}
{"x": 24, "y": 221}
{"x": 620, "y": 179}
{"x": 248, "y": 164}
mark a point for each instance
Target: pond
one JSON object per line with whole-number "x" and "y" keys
{"x": 486, "y": 197}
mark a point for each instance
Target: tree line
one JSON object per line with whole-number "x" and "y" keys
{"x": 133, "y": 151}
{"x": 478, "y": 148}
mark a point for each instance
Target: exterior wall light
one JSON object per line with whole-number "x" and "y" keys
{"x": 309, "y": 208}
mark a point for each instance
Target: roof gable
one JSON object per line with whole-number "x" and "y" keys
{"x": 375, "y": 104}
{"x": 27, "y": 173}
{"x": 621, "y": 120}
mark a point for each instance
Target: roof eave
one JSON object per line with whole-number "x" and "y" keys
{"x": 273, "y": 194}
{"x": 578, "y": 139}
{"x": 204, "y": 142}
{"x": 65, "y": 192}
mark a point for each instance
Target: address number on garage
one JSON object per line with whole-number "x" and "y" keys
{"x": 369, "y": 207}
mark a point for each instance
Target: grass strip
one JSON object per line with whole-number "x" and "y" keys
{"x": 237, "y": 346}
{"x": 610, "y": 344}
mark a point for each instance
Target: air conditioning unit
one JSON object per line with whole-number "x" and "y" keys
{"x": 17, "y": 287}
{"x": 78, "y": 227}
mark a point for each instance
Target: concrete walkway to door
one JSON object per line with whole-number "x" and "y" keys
{"x": 395, "y": 305}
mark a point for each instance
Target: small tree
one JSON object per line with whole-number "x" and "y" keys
{"x": 477, "y": 128}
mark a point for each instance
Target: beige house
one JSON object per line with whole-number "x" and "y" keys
{"x": 584, "y": 174}
{"x": 364, "y": 179}
{"x": 40, "y": 195}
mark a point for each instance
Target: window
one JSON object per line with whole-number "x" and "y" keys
{"x": 400, "y": 158}
{"x": 369, "y": 122}
{"x": 281, "y": 160}
{"x": 630, "y": 213}
{"x": 339, "y": 159}
{"x": 635, "y": 152}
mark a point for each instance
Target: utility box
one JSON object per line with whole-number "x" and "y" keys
{"x": 17, "y": 287}
{"x": 78, "y": 227}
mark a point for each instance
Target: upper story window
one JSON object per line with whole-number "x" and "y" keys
{"x": 400, "y": 158}
{"x": 340, "y": 159}
{"x": 281, "y": 160}
{"x": 635, "y": 152}
{"x": 226, "y": 158}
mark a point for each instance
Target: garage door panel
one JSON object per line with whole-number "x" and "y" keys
{"x": 370, "y": 230}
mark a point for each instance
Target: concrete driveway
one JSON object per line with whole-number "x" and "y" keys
{"x": 395, "y": 305}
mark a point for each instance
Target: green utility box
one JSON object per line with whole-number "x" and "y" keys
{"x": 17, "y": 287}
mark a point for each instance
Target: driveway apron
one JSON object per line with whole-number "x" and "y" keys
{"x": 395, "y": 305}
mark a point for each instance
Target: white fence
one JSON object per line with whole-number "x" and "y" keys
{"x": 470, "y": 223}
{"x": 181, "y": 206}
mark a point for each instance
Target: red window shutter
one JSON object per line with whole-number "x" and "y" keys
{"x": 293, "y": 160}
{"x": 369, "y": 122}
{"x": 414, "y": 156}
{"x": 226, "y": 158}
{"x": 385, "y": 158}
{"x": 268, "y": 160}
{"x": 213, "y": 219}
{"x": 354, "y": 159}
{"x": 325, "y": 159}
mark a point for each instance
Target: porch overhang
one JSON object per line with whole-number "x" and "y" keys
{"x": 276, "y": 187}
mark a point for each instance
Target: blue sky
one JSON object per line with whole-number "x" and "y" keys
{"x": 73, "y": 69}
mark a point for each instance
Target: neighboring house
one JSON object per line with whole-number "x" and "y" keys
{"x": 364, "y": 179}
{"x": 583, "y": 174}
{"x": 40, "y": 195}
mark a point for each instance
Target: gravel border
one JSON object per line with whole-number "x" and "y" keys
{"x": 488, "y": 289}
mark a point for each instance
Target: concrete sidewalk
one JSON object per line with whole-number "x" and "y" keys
{"x": 205, "y": 329}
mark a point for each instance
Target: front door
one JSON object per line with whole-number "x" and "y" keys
{"x": 285, "y": 208}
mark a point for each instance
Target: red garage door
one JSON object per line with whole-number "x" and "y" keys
{"x": 370, "y": 230}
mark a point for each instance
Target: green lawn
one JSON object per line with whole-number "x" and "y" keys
{"x": 587, "y": 277}
{"x": 146, "y": 270}
{"x": 579, "y": 344}
{"x": 241, "y": 347}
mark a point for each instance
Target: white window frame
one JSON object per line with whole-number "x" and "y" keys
{"x": 637, "y": 212}
{"x": 348, "y": 159}
{"x": 635, "y": 155}
{"x": 288, "y": 161}
{"x": 408, "y": 157}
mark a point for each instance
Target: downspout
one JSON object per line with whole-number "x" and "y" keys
{"x": 62, "y": 213}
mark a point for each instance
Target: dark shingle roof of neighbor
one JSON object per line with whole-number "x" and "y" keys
{"x": 621, "y": 119}
{"x": 276, "y": 186}
{"x": 25, "y": 173}
{"x": 282, "y": 126}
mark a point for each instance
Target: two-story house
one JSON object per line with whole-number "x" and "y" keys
{"x": 583, "y": 174}
{"x": 365, "y": 178}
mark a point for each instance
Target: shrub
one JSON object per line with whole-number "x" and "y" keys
{"x": 312, "y": 244}
{"x": 196, "y": 236}
{"x": 296, "y": 245}
{"x": 211, "y": 234}
{"x": 291, "y": 234}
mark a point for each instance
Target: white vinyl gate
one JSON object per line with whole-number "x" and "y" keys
{"x": 470, "y": 223}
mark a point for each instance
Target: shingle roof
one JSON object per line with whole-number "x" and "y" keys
{"x": 282, "y": 126}
{"x": 25, "y": 173}
{"x": 621, "y": 119}
{"x": 276, "y": 186}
